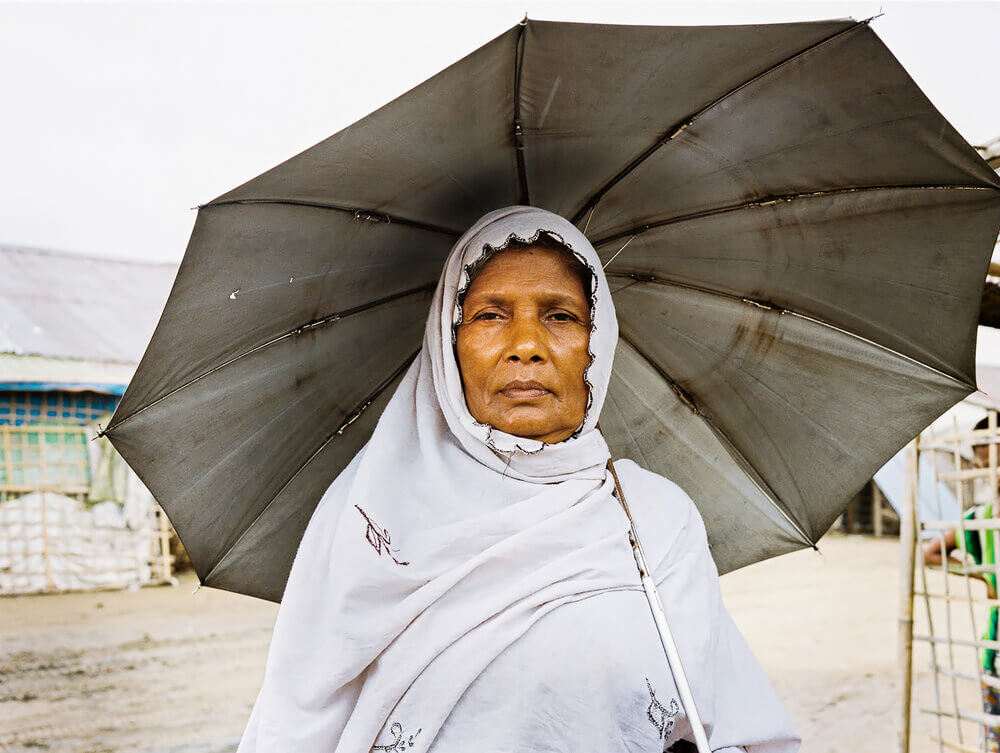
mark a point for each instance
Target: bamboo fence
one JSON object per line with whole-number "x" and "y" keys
{"x": 50, "y": 540}
{"x": 954, "y": 608}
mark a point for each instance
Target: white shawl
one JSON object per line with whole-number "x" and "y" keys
{"x": 445, "y": 541}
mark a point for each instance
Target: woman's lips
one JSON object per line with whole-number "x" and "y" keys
{"x": 519, "y": 390}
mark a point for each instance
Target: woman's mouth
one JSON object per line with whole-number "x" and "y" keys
{"x": 524, "y": 390}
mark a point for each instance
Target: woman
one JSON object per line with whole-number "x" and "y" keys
{"x": 466, "y": 583}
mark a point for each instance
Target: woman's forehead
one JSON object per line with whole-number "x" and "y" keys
{"x": 531, "y": 269}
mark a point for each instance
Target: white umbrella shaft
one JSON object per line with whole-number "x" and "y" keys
{"x": 662, "y": 627}
{"x": 669, "y": 647}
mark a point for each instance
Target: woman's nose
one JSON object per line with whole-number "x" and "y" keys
{"x": 526, "y": 342}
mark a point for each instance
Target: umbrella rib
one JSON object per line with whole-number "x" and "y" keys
{"x": 734, "y": 452}
{"x": 518, "y": 134}
{"x": 678, "y": 128}
{"x": 781, "y": 199}
{"x": 339, "y": 431}
{"x": 791, "y": 312}
{"x": 362, "y": 215}
{"x": 322, "y": 321}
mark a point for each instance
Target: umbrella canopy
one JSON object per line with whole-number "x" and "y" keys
{"x": 797, "y": 242}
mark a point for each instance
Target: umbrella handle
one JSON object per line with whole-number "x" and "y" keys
{"x": 660, "y": 618}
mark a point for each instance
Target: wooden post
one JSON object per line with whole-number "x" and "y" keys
{"x": 8, "y": 457}
{"x": 164, "y": 538}
{"x": 992, "y": 455}
{"x": 957, "y": 459}
{"x": 46, "y": 554}
{"x": 907, "y": 544}
{"x": 876, "y": 510}
{"x": 44, "y": 470}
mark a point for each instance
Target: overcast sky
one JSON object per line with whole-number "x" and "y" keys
{"x": 117, "y": 118}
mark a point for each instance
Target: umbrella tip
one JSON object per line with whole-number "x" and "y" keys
{"x": 881, "y": 12}
{"x": 524, "y": 21}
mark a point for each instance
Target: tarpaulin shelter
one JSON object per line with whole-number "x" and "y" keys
{"x": 72, "y": 329}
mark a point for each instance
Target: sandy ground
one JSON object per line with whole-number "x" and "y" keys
{"x": 163, "y": 670}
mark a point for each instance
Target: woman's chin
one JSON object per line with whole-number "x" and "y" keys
{"x": 532, "y": 427}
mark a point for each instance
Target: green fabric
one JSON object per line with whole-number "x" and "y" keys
{"x": 109, "y": 473}
{"x": 980, "y": 546}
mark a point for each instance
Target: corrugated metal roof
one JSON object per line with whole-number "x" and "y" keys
{"x": 37, "y": 369}
{"x": 69, "y": 306}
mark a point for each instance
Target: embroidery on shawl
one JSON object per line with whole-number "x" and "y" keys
{"x": 379, "y": 538}
{"x": 400, "y": 741}
{"x": 661, "y": 716}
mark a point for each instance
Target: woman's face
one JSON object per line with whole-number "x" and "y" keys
{"x": 522, "y": 345}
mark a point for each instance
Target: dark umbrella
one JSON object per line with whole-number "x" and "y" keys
{"x": 796, "y": 237}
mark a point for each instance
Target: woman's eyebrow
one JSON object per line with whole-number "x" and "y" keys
{"x": 487, "y": 299}
{"x": 563, "y": 299}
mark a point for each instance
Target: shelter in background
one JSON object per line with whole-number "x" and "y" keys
{"x": 875, "y": 509}
{"x": 72, "y": 329}
{"x": 990, "y": 151}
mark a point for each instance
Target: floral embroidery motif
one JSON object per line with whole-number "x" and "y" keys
{"x": 400, "y": 741}
{"x": 379, "y": 538}
{"x": 661, "y": 716}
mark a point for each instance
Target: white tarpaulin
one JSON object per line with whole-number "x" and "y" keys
{"x": 49, "y": 541}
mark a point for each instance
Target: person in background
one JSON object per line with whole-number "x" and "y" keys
{"x": 979, "y": 546}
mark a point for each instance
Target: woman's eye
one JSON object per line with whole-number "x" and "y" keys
{"x": 562, "y": 316}
{"x": 487, "y": 315}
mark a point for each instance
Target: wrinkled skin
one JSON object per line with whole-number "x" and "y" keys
{"x": 522, "y": 345}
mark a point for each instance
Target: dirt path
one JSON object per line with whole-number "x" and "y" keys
{"x": 153, "y": 670}
{"x": 163, "y": 671}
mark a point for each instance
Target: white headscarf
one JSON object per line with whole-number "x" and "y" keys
{"x": 443, "y": 541}
{"x": 525, "y": 458}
